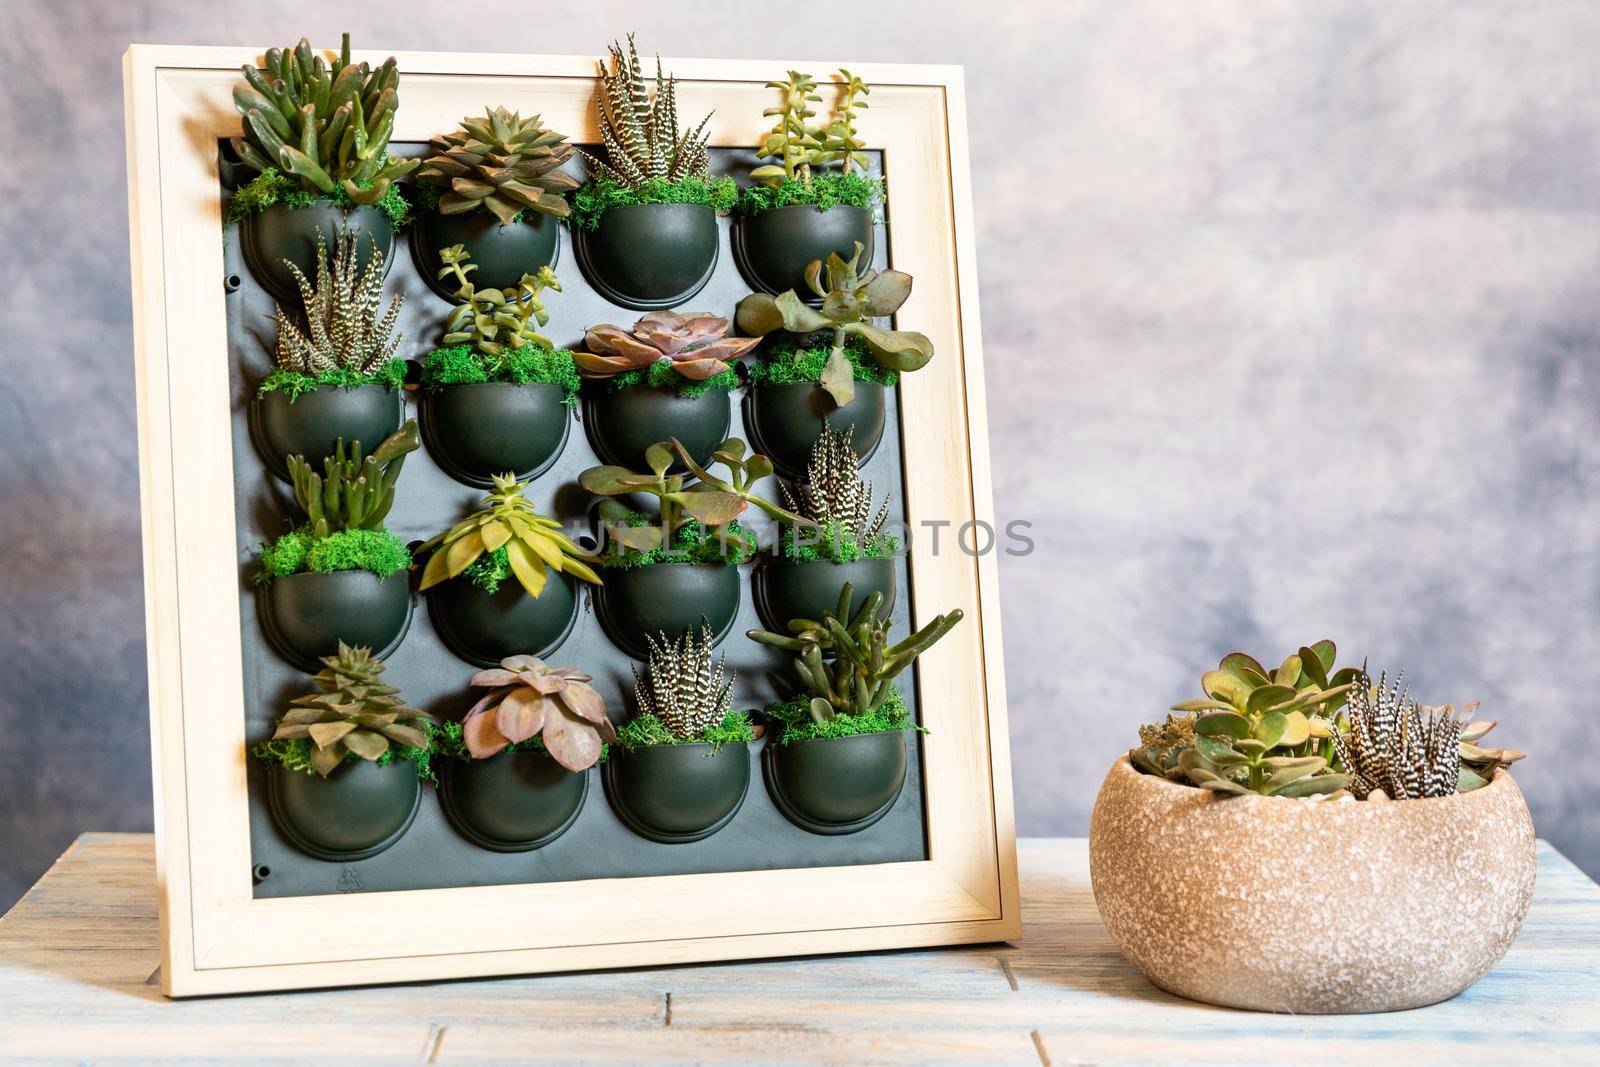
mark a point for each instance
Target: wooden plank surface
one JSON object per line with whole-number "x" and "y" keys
{"x": 77, "y": 955}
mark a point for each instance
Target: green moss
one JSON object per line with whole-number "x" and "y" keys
{"x": 449, "y": 743}
{"x": 788, "y": 363}
{"x": 823, "y": 191}
{"x": 594, "y": 198}
{"x": 794, "y": 720}
{"x": 489, "y": 570}
{"x": 729, "y": 544}
{"x": 660, "y": 375}
{"x": 294, "y": 754}
{"x": 392, "y": 374}
{"x": 297, "y": 552}
{"x": 467, "y": 365}
{"x": 642, "y": 731}
{"x": 837, "y": 545}
{"x": 274, "y": 187}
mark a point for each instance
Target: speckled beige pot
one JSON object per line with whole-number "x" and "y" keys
{"x": 1312, "y": 907}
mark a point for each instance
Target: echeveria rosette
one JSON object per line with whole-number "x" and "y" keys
{"x": 501, "y": 163}
{"x": 355, "y": 714}
{"x": 695, "y": 345}
{"x": 527, "y": 698}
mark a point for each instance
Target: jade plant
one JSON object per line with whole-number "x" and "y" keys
{"x": 500, "y": 163}
{"x": 648, "y": 158}
{"x": 805, "y": 149}
{"x": 684, "y": 696}
{"x": 666, "y": 349}
{"x": 316, "y": 130}
{"x": 344, "y": 342}
{"x": 530, "y": 704}
{"x": 851, "y": 297}
{"x": 836, "y": 503}
{"x": 506, "y": 537}
{"x": 353, "y": 715}
{"x": 345, "y": 505}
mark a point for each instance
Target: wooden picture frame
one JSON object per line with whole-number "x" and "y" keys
{"x": 217, "y": 937}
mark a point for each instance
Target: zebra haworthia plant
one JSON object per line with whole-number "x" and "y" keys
{"x": 343, "y": 330}
{"x": 683, "y": 687}
{"x": 640, "y": 131}
{"x": 833, "y": 494}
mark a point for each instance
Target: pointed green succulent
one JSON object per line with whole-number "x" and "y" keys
{"x": 354, "y": 714}
{"x": 354, "y": 491}
{"x": 502, "y": 163}
{"x": 533, "y": 542}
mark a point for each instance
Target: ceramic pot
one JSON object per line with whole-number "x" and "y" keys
{"x": 480, "y": 429}
{"x": 785, "y": 590}
{"x": 305, "y": 616}
{"x": 678, "y": 793}
{"x": 511, "y": 802}
{"x": 836, "y": 785}
{"x": 356, "y": 812}
{"x": 503, "y": 253}
{"x": 668, "y": 598}
{"x": 622, "y": 423}
{"x": 1305, "y": 906}
{"x": 649, "y": 256}
{"x": 484, "y": 628}
{"x": 773, "y": 247}
{"x": 309, "y": 425}
{"x": 280, "y": 232}
{"x": 785, "y": 420}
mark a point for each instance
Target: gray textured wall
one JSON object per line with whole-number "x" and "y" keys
{"x": 1291, "y": 323}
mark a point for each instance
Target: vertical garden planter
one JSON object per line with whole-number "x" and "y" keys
{"x": 675, "y": 794}
{"x": 359, "y": 810}
{"x": 512, "y": 802}
{"x": 785, "y": 420}
{"x": 836, "y": 785}
{"x": 305, "y": 616}
{"x": 785, "y": 590}
{"x": 280, "y": 232}
{"x": 670, "y": 598}
{"x": 773, "y": 247}
{"x": 310, "y": 424}
{"x": 484, "y": 628}
{"x": 503, "y": 254}
{"x": 622, "y": 423}
{"x": 649, "y": 256}
{"x": 480, "y": 429}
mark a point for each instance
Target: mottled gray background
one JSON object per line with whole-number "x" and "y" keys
{"x": 1291, "y": 320}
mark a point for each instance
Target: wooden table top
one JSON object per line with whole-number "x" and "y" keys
{"x": 77, "y": 955}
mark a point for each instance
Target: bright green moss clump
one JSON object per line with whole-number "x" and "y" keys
{"x": 466, "y": 365}
{"x": 823, "y": 191}
{"x": 274, "y": 187}
{"x": 593, "y": 199}
{"x": 787, "y": 363}
{"x": 644, "y": 730}
{"x": 392, "y": 375}
{"x": 796, "y": 724}
{"x": 297, "y": 552}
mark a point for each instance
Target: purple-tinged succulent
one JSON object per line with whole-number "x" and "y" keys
{"x": 526, "y": 698}
{"x": 696, "y": 345}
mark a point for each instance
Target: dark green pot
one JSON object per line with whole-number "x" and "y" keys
{"x": 485, "y": 628}
{"x": 305, "y": 616}
{"x": 357, "y": 811}
{"x": 512, "y": 802}
{"x": 785, "y": 590}
{"x": 503, "y": 253}
{"x": 786, "y": 420}
{"x": 485, "y": 428}
{"x": 677, "y": 793}
{"x": 280, "y": 232}
{"x": 649, "y": 256}
{"x": 309, "y": 425}
{"x": 773, "y": 247}
{"x": 667, "y": 598}
{"x": 836, "y": 785}
{"x": 622, "y": 423}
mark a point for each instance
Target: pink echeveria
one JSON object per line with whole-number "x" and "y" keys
{"x": 526, "y": 698}
{"x": 696, "y": 345}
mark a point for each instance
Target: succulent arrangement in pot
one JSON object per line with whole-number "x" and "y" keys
{"x": 512, "y": 779}
{"x": 681, "y": 767}
{"x": 668, "y": 377}
{"x": 809, "y": 378}
{"x": 502, "y": 579}
{"x": 644, "y": 224}
{"x": 497, "y": 394}
{"x": 495, "y": 188}
{"x": 675, "y": 571}
{"x": 346, "y": 761}
{"x": 817, "y": 199}
{"x": 1360, "y": 808}
{"x": 340, "y": 577}
{"x": 337, "y": 376}
{"x": 838, "y": 762}
{"x": 317, "y": 133}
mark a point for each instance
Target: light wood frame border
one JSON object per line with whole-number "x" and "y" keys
{"x": 216, "y": 937}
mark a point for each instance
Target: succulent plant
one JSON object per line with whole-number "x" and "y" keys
{"x": 1479, "y": 764}
{"x": 849, "y": 299}
{"x": 495, "y": 321}
{"x": 343, "y": 329}
{"x": 682, "y": 686}
{"x": 841, "y": 141}
{"x": 527, "y": 698}
{"x": 857, "y": 676}
{"x": 533, "y": 542}
{"x": 355, "y": 713}
{"x": 800, "y": 145}
{"x": 834, "y": 493}
{"x": 695, "y": 345}
{"x": 328, "y": 125}
{"x": 1306, "y": 687}
{"x": 1234, "y": 754}
{"x": 354, "y": 491}
{"x": 641, "y": 136}
{"x": 1161, "y": 745}
{"x": 502, "y": 163}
